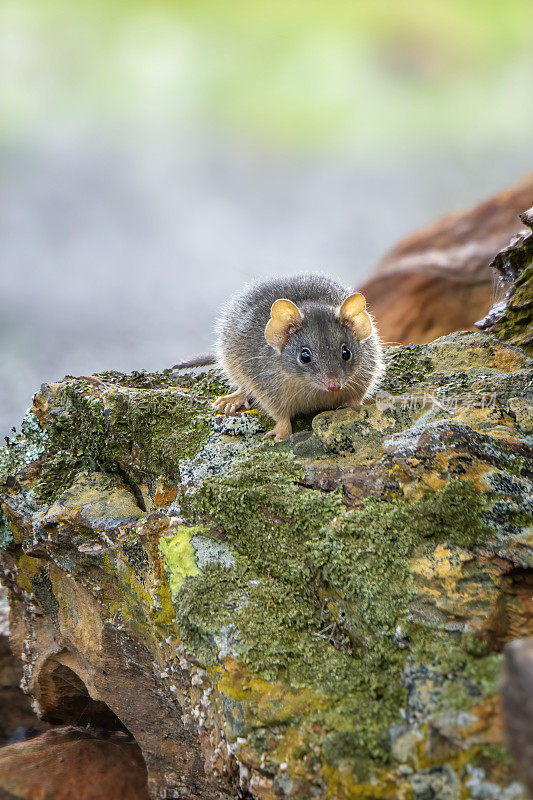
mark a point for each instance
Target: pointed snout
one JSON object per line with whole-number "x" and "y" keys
{"x": 331, "y": 385}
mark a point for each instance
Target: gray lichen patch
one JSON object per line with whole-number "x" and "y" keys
{"x": 6, "y": 537}
{"x": 243, "y": 424}
{"x": 23, "y": 447}
{"x": 227, "y": 641}
{"x": 209, "y": 551}
{"x": 441, "y": 782}
{"x": 482, "y": 789}
{"x": 230, "y": 438}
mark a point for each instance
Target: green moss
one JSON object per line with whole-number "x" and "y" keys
{"x": 459, "y": 665}
{"x": 56, "y": 476}
{"x": 484, "y": 672}
{"x": 76, "y": 423}
{"x": 285, "y": 629}
{"x": 279, "y": 635}
{"x": 522, "y": 518}
{"x": 140, "y": 379}
{"x": 207, "y": 604}
{"x": 316, "y": 601}
{"x": 470, "y": 681}
{"x": 452, "y": 514}
{"x": 209, "y": 382}
{"x": 365, "y": 559}
{"x": 266, "y": 516}
{"x": 165, "y": 426}
{"x": 495, "y": 755}
{"x": 366, "y": 556}
{"x": 405, "y": 366}
{"x": 145, "y": 432}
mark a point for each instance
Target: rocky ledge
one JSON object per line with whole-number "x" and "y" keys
{"x": 317, "y": 618}
{"x": 512, "y": 318}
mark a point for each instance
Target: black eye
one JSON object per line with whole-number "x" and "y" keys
{"x": 305, "y": 355}
{"x": 346, "y": 353}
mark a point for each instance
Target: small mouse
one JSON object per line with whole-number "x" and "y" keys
{"x": 296, "y": 345}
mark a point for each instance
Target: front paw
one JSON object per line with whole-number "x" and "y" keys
{"x": 228, "y": 404}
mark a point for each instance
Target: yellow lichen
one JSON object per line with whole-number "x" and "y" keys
{"x": 178, "y": 553}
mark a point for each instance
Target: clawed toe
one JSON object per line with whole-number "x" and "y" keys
{"x": 280, "y": 431}
{"x": 273, "y": 434}
{"x": 230, "y": 403}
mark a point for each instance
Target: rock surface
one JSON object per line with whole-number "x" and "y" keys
{"x": 69, "y": 763}
{"x": 512, "y": 318}
{"x": 517, "y": 695}
{"x": 321, "y": 618}
{"x": 439, "y": 279}
{"x": 17, "y": 719}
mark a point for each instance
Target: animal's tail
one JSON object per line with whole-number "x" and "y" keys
{"x": 199, "y": 361}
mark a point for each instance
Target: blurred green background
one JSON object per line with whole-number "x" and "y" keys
{"x": 299, "y": 75}
{"x": 156, "y": 155}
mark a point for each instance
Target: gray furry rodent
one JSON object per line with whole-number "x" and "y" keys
{"x": 296, "y": 345}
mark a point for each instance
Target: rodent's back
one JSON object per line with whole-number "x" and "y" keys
{"x": 300, "y": 289}
{"x": 249, "y": 312}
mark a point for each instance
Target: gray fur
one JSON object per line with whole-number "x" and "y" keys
{"x": 279, "y": 382}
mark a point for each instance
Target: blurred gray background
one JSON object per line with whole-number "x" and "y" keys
{"x": 154, "y": 158}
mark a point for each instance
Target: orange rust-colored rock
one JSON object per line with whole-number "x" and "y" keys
{"x": 439, "y": 279}
{"x": 69, "y": 763}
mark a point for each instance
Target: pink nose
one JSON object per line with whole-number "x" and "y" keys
{"x": 332, "y": 386}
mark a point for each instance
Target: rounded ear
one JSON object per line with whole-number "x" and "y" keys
{"x": 352, "y": 313}
{"x": 285, "y": 318}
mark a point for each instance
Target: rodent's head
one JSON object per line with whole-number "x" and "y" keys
{"x": 321, "y": 345}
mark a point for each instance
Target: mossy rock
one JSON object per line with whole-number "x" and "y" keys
{"x": 321, "y": 618}
{"x": 511, "y": 319}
